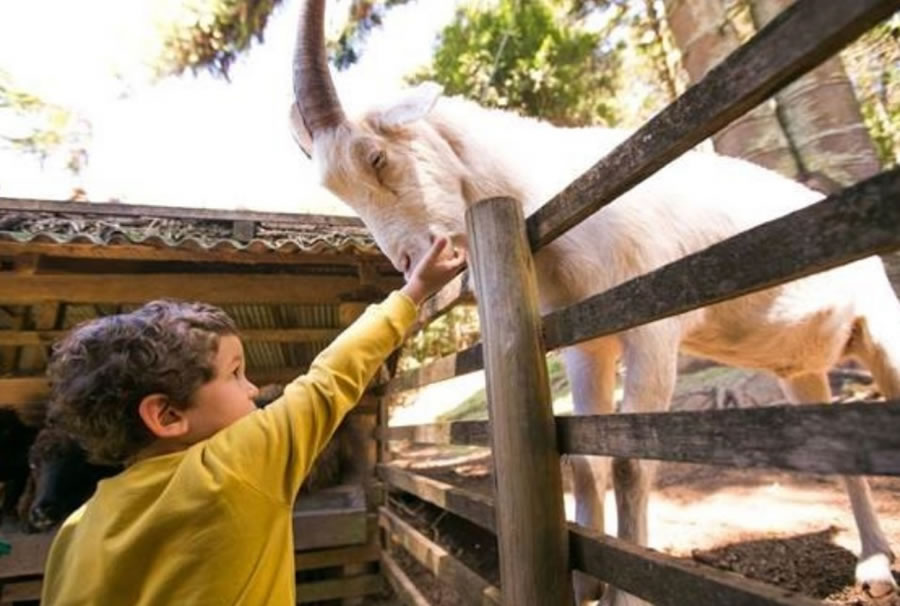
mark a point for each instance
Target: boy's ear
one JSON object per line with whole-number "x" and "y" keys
{"x": 161, "y": 418}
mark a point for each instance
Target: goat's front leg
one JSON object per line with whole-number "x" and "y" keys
{"x": 591, "y": 368}
{"x": 651, "y": 360}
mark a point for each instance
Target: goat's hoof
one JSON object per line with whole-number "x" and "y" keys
{"x": 877, "y": 581}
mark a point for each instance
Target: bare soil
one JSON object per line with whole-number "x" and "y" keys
{"x": 791, "y": 530}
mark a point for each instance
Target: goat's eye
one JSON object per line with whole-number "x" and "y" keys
{"x": 377, "y": 159}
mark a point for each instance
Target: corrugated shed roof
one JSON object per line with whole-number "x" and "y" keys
{"x": 186, "y": 234}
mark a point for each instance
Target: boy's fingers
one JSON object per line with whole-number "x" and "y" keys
{"x": 436, "y": 249}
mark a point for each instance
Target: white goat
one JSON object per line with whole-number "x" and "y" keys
{"x": 410, "y": 169}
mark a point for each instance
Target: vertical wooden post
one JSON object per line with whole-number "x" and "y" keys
{"x": 534, "y": 569}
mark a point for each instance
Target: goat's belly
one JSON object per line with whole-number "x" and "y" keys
{"x": 751, "y": 332}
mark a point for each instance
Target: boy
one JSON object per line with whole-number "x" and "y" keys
{"x": 202, "y": 512}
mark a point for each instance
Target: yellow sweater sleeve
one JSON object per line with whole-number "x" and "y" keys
{"x": 273, "y": 449}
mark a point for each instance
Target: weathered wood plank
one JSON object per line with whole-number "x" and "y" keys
{"x": 668, "y": 581}
{"x": 148, "y": 252}
{"x": 29, "y": 551}
{"x": 310, "y": 560}
{"x": 210, "y": 288}
{"x": 265, "y": 335}
{"x": 20, "y": 591}
{"x": 329, "y": 528}
{"x": 472, "y": 506}
{"x": 861, "y": 221}
{"x": 632, "y": 567}
{"x": 471, "y": 433}
{"x": 173, "y": 212}
{"x": 403, "y": 586}
{"x": 796, "y": 41}
{"x": 534, "y": 568}
{"x": 458, "y": 290}
{"x": 859, "y": 438}
{"x": 471, "y": 587}
{"x": 457, "y": 364}
{"x": 20, "y": 391}
{"x": 346, "y": 587}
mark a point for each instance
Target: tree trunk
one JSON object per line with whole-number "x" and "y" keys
{"x": 822, "y": 118}
{"x": 704, "y": 35}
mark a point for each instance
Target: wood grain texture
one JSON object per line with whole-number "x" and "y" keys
{"x": 667, "y": 581}
{"x": 858, "y": 438}
{"x": 470, "y": 587}
{"x": 211, "y": 288}
{"x": 860, "y": 221}
{"x": 402, "y": 585}
{"x": 532, "y": 538}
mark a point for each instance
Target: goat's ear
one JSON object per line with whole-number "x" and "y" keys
{"x": 299, "y": 131}
{"x": 413, "y": 105}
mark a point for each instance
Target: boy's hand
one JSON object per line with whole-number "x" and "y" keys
{"x": 435, "y": 269}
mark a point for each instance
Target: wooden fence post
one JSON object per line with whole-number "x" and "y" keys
{"x": 530, "y": 517}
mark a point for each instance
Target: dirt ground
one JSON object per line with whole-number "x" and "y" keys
{"x": 791, "y": 530}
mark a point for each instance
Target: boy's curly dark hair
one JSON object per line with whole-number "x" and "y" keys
{"x": 102, "y": 369}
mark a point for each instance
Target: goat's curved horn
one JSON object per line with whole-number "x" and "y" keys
{"x": 314, "y": 91}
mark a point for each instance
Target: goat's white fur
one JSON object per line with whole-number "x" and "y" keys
{"x": 444, "y": 153}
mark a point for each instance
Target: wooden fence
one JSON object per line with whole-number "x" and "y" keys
{"x": 537, "y": 548}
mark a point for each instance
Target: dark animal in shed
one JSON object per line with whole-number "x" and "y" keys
{"x": 61, "y": 479}
{"x": 16, "y": 438}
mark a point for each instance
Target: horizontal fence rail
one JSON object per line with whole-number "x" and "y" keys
{"x": 854, "y": 438}
{"x": 470, "y": 586}
{"x": 857, "y": 438}
{"x": 462, "y": 433}
{"x": 458, "y": 290}
{"x": 858, "y": 222}
{"x": 804, "y": 35}
{"x": 638, "y": 570}
{"x": 402, "y": 585}
{"x": 474, "y": 507}
{"x": 675, "y": 582}
{"x": 454, "y": 365}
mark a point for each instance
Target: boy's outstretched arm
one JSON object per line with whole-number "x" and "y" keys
{"x": 274, "y": 448}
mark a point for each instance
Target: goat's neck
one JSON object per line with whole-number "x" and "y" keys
{"x": 505, "y": 154}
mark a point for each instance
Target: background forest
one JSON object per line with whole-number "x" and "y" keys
{"x": 571, "y": 62}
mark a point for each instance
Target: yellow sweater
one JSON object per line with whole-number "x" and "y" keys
{"x": 212, "y": 524}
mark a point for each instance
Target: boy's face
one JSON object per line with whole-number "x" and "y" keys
{"x": 226, "y": 398}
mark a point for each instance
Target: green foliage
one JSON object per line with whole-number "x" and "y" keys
{"x": 210, "y": 34}
{"x": 31, "y": 125}
{"x": 365, "y": 15}
{"x": 873, "y": 64}
{"x": 530, "y": 57}
{"x": 455, "y": 330}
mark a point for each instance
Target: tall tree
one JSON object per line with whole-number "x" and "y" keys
{"x": 821, "y": 116}
{"x": 211, "y": 34}
{"x": 44, "y": 130}
{"x": 528, "y": 57}
{"x": 815, "y": 123}
{"x": 705, "y": 35}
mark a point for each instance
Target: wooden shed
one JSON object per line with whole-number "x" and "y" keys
{"x": 290, "y": 281}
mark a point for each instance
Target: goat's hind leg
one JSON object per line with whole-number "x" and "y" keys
{"x": 876, "y": 343}
{"x": 873, "y": 570}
